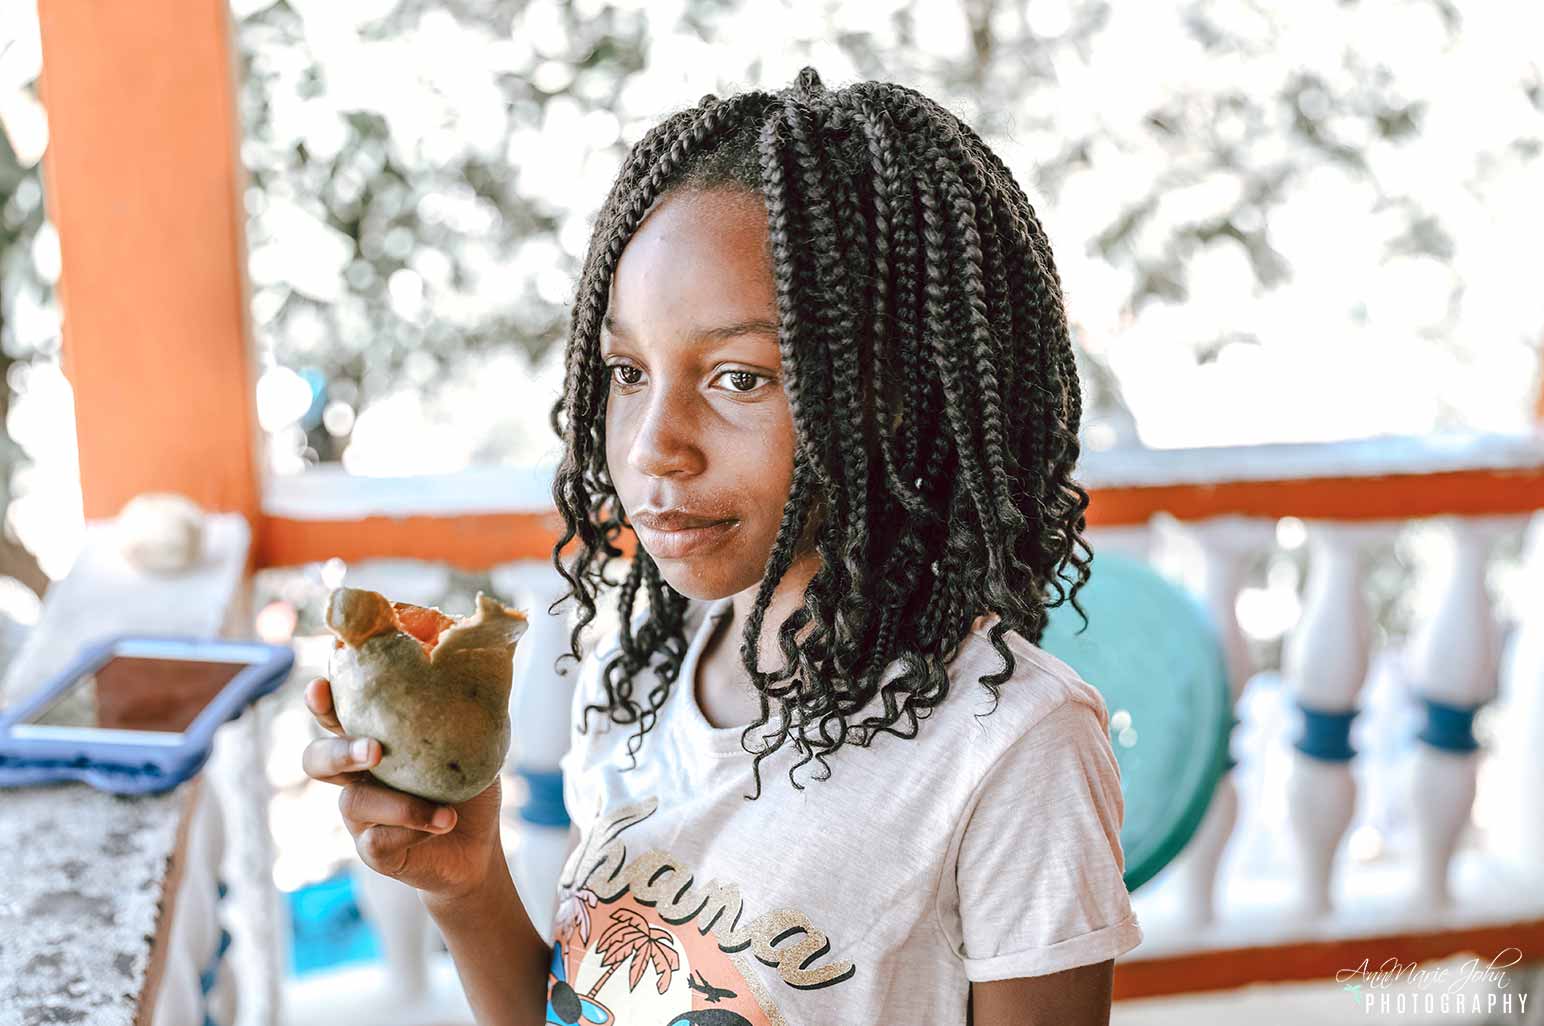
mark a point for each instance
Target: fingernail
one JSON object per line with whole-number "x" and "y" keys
{"x": 442, "y": 819}
{"x": 360, "y": 749}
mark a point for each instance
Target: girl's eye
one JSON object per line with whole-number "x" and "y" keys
{"x": 743, "y": 377}
{"x": 614, "y": 367}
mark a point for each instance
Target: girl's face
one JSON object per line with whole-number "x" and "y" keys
{"x": 697, "y": 419}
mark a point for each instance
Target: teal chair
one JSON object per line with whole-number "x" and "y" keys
{"x": 1152, "y": 651}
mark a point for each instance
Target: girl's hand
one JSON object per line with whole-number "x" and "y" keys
{"x": 395, "y": 833}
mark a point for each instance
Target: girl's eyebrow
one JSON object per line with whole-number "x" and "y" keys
{"x": 703, "y": 336}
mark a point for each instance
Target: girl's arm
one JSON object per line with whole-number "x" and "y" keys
{"x": 457, "y": 867}
{"x": 1079, "y": 996}
{"x": 501, "y": 959}
{"x": 499, "y": 955}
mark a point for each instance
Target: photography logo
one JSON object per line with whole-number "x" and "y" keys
{"x": 1477, "y": 987}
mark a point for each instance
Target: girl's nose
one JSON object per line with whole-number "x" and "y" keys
{"x": 665, "y": 439}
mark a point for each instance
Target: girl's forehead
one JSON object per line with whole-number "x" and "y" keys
{"x": 712, "y": 220}
{"x": 702, "y": 260}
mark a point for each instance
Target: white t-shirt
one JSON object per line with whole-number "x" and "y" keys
{"x": 982, "y": 849}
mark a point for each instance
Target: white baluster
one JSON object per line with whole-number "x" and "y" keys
{"x": 1520, "y": 745}
{"x": 221, "y": 1002}
{"x": 179, "y": 1001}
{"x": 1324, "y": 663}
{"x": 399, "y": 919}
{"x": 539, "y": 713}
{"x": 1225, "y": 544}
{"x": 254, "y": 909}
{"x": 194, "y": 929}
{"x": 205, "y": 850}
{"x": 1451, "y": 658}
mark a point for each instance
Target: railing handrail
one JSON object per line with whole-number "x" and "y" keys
{"x": 1360, "y": 458}
{"x": 485, "y": 515}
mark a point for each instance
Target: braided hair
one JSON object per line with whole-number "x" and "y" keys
{"x": 935, "y": 401}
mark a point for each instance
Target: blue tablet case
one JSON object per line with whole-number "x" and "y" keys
{"x": 130, "y": 767}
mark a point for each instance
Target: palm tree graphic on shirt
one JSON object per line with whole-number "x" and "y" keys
{"x": 719, "y": 986}
{"x": 633, "y": 940}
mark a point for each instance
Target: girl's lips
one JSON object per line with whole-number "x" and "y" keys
{"x": 687, "y": 541}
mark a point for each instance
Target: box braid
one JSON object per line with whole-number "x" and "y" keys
{"x": 935, "y": 400}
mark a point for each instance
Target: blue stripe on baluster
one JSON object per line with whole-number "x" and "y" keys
{"x": 1449, "y": 727}
{"x": 545, "y": 806}
{"x": 211, "y": 973}
{"x": 1326, "y": 733}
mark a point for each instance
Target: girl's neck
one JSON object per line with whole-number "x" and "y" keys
{"x": 786, "y": 599}
{"x": 724, "y": 690}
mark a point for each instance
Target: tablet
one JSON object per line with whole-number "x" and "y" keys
{"x": 136, "y": 714}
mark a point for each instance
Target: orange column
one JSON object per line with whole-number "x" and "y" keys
{"x": 144, "y": 184}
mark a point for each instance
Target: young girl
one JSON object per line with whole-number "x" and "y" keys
{"x": 819, "y": 362}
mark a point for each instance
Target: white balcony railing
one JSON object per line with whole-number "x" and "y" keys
{"x": 1297, "y": 848}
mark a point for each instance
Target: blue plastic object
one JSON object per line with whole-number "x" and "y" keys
{"x": 132, "y": 761}
{"x": 545, "y": 805}
{"x": 326, "y": 927}
{"x": 1153, "y": 653}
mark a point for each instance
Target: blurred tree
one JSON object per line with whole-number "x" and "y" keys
{"x": 420, "y": 238}
{"x": 423, "y": 173}
{"x": 1216, "y": 175}
{"x": 21, "y": 218}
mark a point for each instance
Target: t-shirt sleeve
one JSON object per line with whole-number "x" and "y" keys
{"x": 1040, "y": 866}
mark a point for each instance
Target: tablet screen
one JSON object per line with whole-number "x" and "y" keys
{"x": 139, "y": 693}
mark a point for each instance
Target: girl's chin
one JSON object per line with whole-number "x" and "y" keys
{"x": 693, "y": 585}
{"x": 707, "y": 580}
